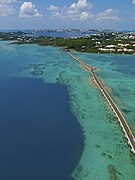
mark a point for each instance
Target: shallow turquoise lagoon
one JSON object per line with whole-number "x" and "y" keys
{"x": 118, "y": 73}
{"x": 106, "y": 154}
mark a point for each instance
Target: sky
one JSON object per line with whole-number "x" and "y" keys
{"x": 64, "y": 14}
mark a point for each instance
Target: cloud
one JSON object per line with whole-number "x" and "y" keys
{"x": 52, "y": 8}
{"x": 80, "y": 11}
{"x": 7, "y": 7}
{"x": 107, "y": 15}
{"x": 81, "y": 4}
{"x": 76, "y": 12}
{"x": 6, "y": 10}
{"x": 133, "y": 2}
{"x": 28, "y": 10}
{"x": 72, "y": 16}
{"x": 7, "y": 2}
{"x": 81, "y": 16}
{"x": 85, "y": 15}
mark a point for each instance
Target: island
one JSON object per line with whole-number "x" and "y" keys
{"x": 100, "y": 42}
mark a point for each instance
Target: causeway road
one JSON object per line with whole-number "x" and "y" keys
{"x": 126, "y": 129}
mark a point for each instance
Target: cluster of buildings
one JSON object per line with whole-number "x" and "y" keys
{"x": 115, "y": 42}
{"x": 119, "y": 48}
{"x": 26, "y": 39}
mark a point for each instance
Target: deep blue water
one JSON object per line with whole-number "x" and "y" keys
{"x": 66, "y": 34}
{"x": 57, "y": 34}
{"x": 49, "y": 34}
{"x": 40, "y": 139}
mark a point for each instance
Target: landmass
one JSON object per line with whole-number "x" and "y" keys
{"x": 100, "y": 42}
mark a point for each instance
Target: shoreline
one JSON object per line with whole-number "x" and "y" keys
{"x": 102, "y": 42}
{"x": 93, "y": 52}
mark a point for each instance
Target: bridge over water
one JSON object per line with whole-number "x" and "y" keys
{"x": 126, "y": 129}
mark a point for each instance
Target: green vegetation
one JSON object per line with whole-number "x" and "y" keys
{"x": 103, "y": 42}
{"x": 79, "y": 44}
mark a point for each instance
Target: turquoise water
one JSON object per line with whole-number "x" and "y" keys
{"x": 105, "y": 145}
{"x": 118, "y": 72}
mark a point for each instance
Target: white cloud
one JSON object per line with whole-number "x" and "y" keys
{"x": 6, "y": 10}
{"x": 133, "y": 2}
{"x": 80, "y": 16}
{"x": 81, "y": 4}
{"x": 28, "y": 10}
{"x": 52, "y": 8}
{"x": 7, "y": 7}
{"x": 80, "y": 11}
{"x": 72, "y": 17}
{"x": 7, "y": 2}
{"x": 85, "y": 15}
{"x": 107, "y": 15}
{"x": 57, "y": 14}
{"x": 76, "y": 12}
